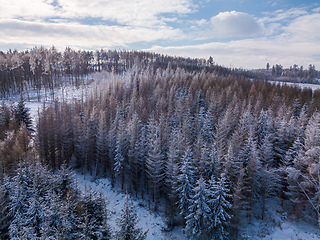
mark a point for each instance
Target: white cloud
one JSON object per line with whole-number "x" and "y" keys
{"x": 31, "y": 9}
{"x": 316, "y": 10}
{"x": 305, "y": 28}
{"x": 290, "y": 36}
{"x": 281, "y": 15}
{"x": 234, "y": 24}
{"x": 252, "y": 53}
{"x": 17, "y": 32}
{"x": 56, "y": 22}
{"x": 127, "y": 12}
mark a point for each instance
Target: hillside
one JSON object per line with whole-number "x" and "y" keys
{"x": 201, "y": 149}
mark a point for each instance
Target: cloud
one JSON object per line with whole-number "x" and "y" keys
{"x": 234, "y": 24}
{"x": 281, "y": 15}
{"x": 126, "y": 12}
{"x": 89, "y": 24}
{"x": 316, "y": 10}
{"x": 31, "y": 9}
{"x": 280, "y": 37}
{"x": 18, "y": 32}
{"x": 252, "y": 53}
{"x": 305, "y": 28}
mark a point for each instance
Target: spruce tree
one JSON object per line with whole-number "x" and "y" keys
{"x": 199, "y": 219}
{"x": 155, "y": 162}
{"x": 119, "y": 164}
{"x": 128, "y": 223}
{"x": 221, "y": 207}
{"x": 22, "y": 114}
{"x": 186, "y": 181}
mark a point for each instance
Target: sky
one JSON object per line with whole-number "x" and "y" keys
{"x": 236, "y": 33}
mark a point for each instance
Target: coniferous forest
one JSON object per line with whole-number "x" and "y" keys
{"x": 206, "y": 144}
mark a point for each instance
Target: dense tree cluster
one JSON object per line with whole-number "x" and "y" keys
{"x": 15, "y": 136}
{"x": 294, "y": 73}
{"x": 41, "y": 68}
{"x": 213, "y": 145}
{"x": 216, "y": 147}
{"x": 37, "y": 204}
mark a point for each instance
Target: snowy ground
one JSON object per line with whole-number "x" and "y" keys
{"x": 66, "y": 93}
{"x": 313, "y": 87}
{"x": 289, "y": 230}
{"x": 283, "y": 230}
{"x": 275, "y": 227}
{"x": 149, "y": 221}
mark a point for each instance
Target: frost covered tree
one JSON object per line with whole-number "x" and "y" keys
{"x": 267, "y": 177}
{"x": 94, "y": 217}
{"x": 171, "y": 176}
{"x": 155, "y": 162}
{"x": 133, "y": 128}
{"x": 221, "y": 207}
{"x": 206, "y": 125}
{"x": 304, "y": 174}
{"x": 199, "y": 219}
{"x": 249, "y": 159}
{"x": 141, "y": 151}
{"x": 186, "y": 181}
{"x": 263, "y": 126}
{"x": 102, "y": 147}
{"x": 29, "y": 208}
{"x": 128, "y": 223}
{"x": 226, "y": 127}
{"x": 119, "y": 164}
{"x": 22, "y": 114}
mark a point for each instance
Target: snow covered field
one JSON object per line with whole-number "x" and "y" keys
{"x": 155, "y": 223}
{"x": 275, "y": 228}
{"x": 313, "y": 87}
{"x": 149, "y": 221}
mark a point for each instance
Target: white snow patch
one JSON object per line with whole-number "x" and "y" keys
{"x": 313, "y": 87}
{"x": 149, "y": 221}
{"x": 290, "y": 230}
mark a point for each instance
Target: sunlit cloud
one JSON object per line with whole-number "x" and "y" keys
{"x": 78, "y": 35}
{"x": 132, "y": 13}
{"x": 281, "y": 15}
{"x": 234, "y": 24}
{"x": 297, "y": 44}
{"x": 233, "y": 38}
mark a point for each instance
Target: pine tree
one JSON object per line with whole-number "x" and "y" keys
{"x": 29, "y": 207}
{"x": 171, "y": 178}
{"x": 288, "y": 163}
{"x": 128, "y": 223}
{"x": 248, "y": 157}
{"x": 186, "y": 180}
{"x": 155, "y": 162}
{"x": 4, "y": 208}
{"x": 22, "y": 114}
{"x": 94, "y": 217}
{"x": 312, "y": 132}
{"x": 5, "y": 115}
{"x": 199, "y": 219}
{"x": 263, "y": 127}
{"x": 102, "y": 147}
{"x": 267, "y": 176}
{"x": 221, "y": 205}
{"x": 141, "y": 150}
{"x": 225, "y": 128}
{"x": 133, "y": 160}
{"x": 119, "y": 163}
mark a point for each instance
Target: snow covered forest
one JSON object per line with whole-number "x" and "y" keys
{"x": 206, "y": 145}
